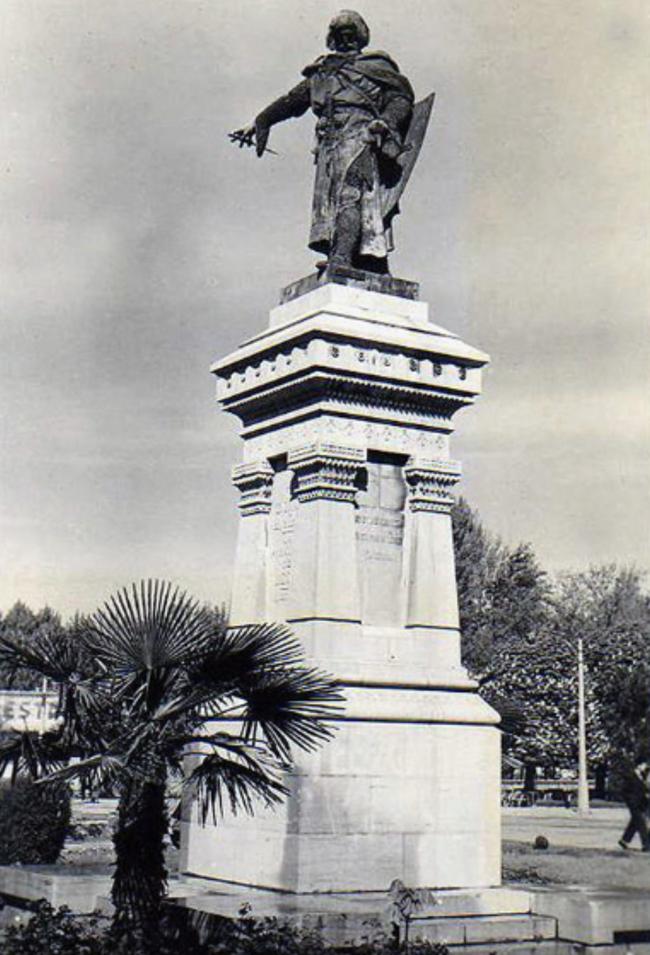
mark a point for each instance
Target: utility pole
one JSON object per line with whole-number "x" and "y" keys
{"x": 583, "y": 779}
{"x": 44, "y": 706}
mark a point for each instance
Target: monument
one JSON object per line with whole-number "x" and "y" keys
{"x": 347, "y": 403}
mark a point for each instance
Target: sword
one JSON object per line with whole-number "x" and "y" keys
{"x": 242, "y": 141}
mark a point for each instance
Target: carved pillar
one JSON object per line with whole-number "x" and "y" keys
{"x": 432, "y": 601}
{"x": 325, "y": 582}
{"x": 255, "y": 483}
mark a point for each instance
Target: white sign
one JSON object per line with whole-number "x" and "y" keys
{"x": 27, "y": 710}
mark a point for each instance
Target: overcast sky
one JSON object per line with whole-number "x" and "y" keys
{"x": 138, "y": 246}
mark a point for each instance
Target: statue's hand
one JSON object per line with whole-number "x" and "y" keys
{"x": 244, "y": 136}
{"x": 378, "y": 128}
{"x": 255, "y": 134}
{"x": 384, "y": 138}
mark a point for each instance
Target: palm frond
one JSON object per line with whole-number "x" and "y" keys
{"x": 235, "y": 780}
{"x": 197, "y": 704}
{"x": 290, "y": 707}
{"x": 25, "y": 753}
{"x": 104, "y": 768}
{"x": 236, "y": 657}
{"x": 248, "y": 649}
{"x": 151, "y": 626}
{"x": 47, "y": 654}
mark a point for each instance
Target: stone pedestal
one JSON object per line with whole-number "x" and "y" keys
{"x": 346, "y": 403}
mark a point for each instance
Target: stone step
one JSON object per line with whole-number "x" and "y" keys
{"x": 483, "y": 929}
{"x": 597, "y": 916}
{"x": 546, "y": 947}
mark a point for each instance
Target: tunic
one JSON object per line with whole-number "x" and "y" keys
{"x": 347, "y": 92}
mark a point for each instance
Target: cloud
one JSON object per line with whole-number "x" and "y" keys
{"x": 138, "y": 245}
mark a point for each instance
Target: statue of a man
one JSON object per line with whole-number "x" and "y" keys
{"x": 364, "y": 107}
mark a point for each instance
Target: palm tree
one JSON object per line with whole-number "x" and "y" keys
{"x": 151, "y": 678}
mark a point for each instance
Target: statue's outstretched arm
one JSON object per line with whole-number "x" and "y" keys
{"x": 294, "y": 103}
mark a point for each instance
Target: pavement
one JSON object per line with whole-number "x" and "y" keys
{"x": 601, "y": 828}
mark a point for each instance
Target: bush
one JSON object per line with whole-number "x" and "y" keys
{"x": 34, "y": 821}
{"x": 59, "y": 932}
{"x": 51, "y": 932}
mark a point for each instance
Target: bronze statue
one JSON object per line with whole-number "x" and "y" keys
{"x": 368, "y": 136}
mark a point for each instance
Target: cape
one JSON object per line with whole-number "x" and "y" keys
{"x": 373, "y": 64}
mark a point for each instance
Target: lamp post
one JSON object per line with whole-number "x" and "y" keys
{"x": 583, "y": 779}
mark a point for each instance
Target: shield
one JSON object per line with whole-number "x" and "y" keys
{"x": 407, "y": 159}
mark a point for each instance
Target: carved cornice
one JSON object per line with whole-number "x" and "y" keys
{"x": 326, "y": 471}
{"x": 255, "y": 483}
{"x": 429, "y": 484}
{"x": 356, "y": 392}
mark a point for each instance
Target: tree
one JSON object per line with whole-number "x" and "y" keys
{"x": 151, "y": 678}
{"x": 519, "y": 597}
{"x": 537, "y": 680}
{"x": 607, "y": 607}
{"x": 519, "y": 638}
{"x": 477, "y": 555}
{"x": 23, "y": 624}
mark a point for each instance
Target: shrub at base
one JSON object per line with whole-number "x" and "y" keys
{"x": 34, "y": 821}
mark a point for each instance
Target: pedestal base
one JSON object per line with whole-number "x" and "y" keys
{"x": 384, "y": 800}
{"x": 346, "y": 403}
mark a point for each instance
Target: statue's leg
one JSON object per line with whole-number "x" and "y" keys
{"x": 346, "y": 239}
{"x": 347, "y": 231}
{"x": 345, "y": 248}
{"x": 347, "y": 227}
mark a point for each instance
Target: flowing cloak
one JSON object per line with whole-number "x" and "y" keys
{"x": 347, "y": 91}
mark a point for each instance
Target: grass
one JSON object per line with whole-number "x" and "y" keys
{"x": 566, "y": 865}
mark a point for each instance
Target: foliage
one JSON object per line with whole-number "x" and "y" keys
{"x": 23, "y": 625}
{"x": 607, "y": 606}
{"x": 519, "y": 595}
{"x": 58, "y": 932}
{"x": 477, "y": 555}
{"x": 54, "y": 932}
{"x": 153, "y": 677}
{"x": 519, "y": 639}
{"x": 34, "y": 821}
{"x": 540, "y": 679}
{"x": 407, "y": 903}
{"x": 503, "y": 595}
{"x": 267, "y": 936}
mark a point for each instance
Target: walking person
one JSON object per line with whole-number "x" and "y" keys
{"x": 636, "y": 797}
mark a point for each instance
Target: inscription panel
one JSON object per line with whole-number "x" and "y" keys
{"x": 380, "y": 536}
{"x": 282, "y": 522}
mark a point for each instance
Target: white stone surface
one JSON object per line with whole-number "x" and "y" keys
{"x": 383, "y": 801}
{"x": 248, "y": 602}
{"x": 346, "y": 404}
{"x": 593, "y": 916}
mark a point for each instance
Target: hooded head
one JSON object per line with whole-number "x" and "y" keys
{"x": 347, "y": 31}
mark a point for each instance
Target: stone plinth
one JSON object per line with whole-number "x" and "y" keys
{"x": 346, "y": 404}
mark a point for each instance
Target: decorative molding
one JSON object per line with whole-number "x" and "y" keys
{"x": 351, "y": 432}
{"x": 393, "y": 367}
{"x": 254, "y": 481}
{"x": 326, "y": 471}
{"x": 429, "y": 484}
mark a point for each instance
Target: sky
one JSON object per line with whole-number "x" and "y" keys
{"x": 138, "y": 246}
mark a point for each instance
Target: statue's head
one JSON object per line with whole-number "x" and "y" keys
{"x": 347, "y": 31}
